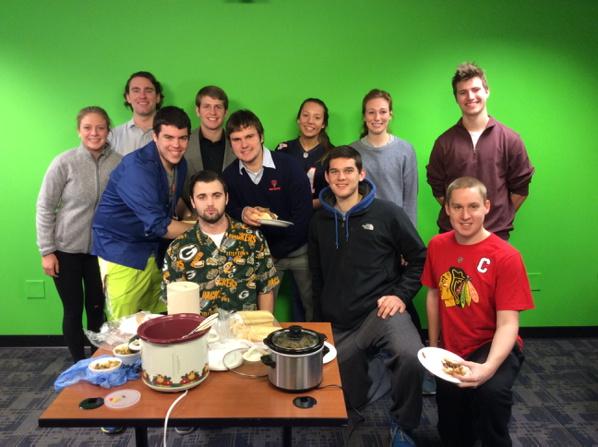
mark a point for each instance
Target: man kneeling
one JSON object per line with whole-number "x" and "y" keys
{"x": 477, "y": 285}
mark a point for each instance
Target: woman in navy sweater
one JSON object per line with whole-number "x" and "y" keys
{"x": 312, "y": 144}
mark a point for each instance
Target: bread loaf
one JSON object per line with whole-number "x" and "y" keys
{"x": 255, "y": 317}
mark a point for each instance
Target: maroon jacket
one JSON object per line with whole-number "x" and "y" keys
{"x": 499, "y": 160}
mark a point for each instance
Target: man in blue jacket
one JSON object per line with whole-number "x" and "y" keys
{"x": 355, "y": 246}
{"x": 135, "y": 218}
{"x": 260, "y": 179}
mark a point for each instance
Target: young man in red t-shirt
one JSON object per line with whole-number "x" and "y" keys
{"x": 477, "y": 284}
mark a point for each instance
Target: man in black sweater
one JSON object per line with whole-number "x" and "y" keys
{"x": 260, "y": 179}
{"x": 355, "y": 247}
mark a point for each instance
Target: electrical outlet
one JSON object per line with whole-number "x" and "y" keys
{"x": 35, "y": 288}
{"x": 535, "y": 281}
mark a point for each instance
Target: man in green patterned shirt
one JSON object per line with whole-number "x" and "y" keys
{"x": 229, "y": 260}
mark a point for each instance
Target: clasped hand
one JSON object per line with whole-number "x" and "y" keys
{"x": 388, "y": 305}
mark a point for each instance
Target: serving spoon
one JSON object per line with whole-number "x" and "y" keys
{"x": 205, "y": 324}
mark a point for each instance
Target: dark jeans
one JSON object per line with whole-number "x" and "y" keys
{"x": 466, "y": 415}
{"x": 79, "y": 284}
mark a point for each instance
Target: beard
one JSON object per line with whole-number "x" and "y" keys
{"x": 211, "y": 218}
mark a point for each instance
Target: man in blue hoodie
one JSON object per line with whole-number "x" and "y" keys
{"x": 360, "y": 285}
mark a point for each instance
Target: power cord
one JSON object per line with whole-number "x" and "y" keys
{"x": 177, "y": 400}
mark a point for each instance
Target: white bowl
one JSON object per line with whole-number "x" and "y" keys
{"x": 104, "y": 365}
{"x": 135, "y": 345}
{"x": 127, "y": 359}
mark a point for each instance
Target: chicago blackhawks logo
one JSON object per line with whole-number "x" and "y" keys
{"x": 456, "y": 288}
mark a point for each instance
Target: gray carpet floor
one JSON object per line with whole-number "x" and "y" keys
{"x": 556, "y": 404}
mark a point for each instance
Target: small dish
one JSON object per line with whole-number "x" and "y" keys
{"x": 135, "y": 345}
{"x": 126, "y": 354}
{"x": 104, "y": 365}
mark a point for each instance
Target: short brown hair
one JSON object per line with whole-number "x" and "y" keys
{"x": 206, "y": 176}
{"x": 212, "y": 91}
{"x": 240, "y": 120}
{"x": 466, "y": 71}
{"x": 466, "y": 183}
{"x": 343, "y": 152}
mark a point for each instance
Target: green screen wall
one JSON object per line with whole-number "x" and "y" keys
{"x": 58, "y": 56}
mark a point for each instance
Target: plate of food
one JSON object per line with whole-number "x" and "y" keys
{"x": 442, "y": 363}
{"x": 267, "y": 217}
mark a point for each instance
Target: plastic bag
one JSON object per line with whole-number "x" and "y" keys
{"x": 80, "y": 371}
{"x": 113, "y": 333}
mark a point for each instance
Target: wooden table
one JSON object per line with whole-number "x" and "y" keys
{"x": 224, "y": 399}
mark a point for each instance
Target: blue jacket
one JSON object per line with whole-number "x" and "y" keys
{"x": 135, "y": 209}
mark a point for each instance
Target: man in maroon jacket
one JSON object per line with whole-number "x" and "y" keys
{"x": 480, "y": 147}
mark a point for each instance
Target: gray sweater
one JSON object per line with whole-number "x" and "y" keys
{"x": 393, "y": 169}
{"x": 68, "y": 198}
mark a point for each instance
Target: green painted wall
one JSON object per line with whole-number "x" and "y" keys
{"x": 57, "y": 56}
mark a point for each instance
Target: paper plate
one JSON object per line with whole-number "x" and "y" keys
{"x": 217, "y": 351}
{"x": 432, "y": 359}
{"x": 331, "y": 355}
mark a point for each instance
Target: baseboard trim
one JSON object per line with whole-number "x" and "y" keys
{"x": 525, "y": 332}
{"x": 559, "y": 332}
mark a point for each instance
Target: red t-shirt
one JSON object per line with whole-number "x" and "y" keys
{"x": 473, "y": 282}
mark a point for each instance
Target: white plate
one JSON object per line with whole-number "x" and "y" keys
{"x": 276, "y": 222}
{"x": 331, "y": 355}
{"x": 217, "y": 351}
{"x": 432, "y": 359}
